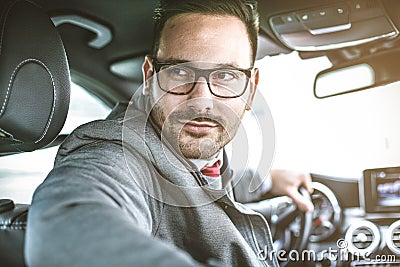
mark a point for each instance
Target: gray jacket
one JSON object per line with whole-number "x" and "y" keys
{"x": 119, "y": 196}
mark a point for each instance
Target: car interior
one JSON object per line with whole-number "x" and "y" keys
{"x": 331, "y": 81}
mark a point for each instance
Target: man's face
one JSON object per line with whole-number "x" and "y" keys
{"x": 200, "y": 123}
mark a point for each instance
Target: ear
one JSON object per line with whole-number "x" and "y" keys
{"x": 253, "y": 87}
{"x": 147, "y": 70}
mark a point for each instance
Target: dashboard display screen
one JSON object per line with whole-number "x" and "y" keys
{"x": 382, "y": 190}
{"x": 388, "y": 190}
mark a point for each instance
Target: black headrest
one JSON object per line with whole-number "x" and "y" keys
{"x": 34, "y": 78}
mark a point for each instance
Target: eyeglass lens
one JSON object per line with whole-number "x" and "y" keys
{"x": 222, "y": 82}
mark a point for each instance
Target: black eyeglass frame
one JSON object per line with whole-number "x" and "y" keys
{"x": 205, "y": 73}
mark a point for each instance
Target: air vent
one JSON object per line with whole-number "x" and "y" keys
{"x": 363, "y": 238}
{"x": 393, "y": 237}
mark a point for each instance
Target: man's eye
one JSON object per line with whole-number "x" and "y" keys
{"x": 226, "y": 76}
{"x": 178, "y": 72}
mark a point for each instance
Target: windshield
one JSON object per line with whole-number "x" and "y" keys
{"x": 338, "y": 136}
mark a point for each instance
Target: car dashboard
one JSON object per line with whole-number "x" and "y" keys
{"x": 347, "y": 233}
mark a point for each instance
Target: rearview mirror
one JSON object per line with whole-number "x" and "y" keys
{"x": 344, "y": 80}
{"x": 365, "y": 73}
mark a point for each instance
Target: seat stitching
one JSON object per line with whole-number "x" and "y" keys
{"x": 12, "y": 137}
{"x": 9, "y": 223}
{"x": 54, "y": 92}
{"x": 9, "y": 86}
{"x": 13, "y": 228}
{"x": 54, "y": 103}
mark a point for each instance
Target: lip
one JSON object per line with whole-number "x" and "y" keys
{"x": 198, "y": 127}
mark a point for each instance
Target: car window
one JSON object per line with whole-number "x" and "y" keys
{"x": 21, "y": 173}
{"x": 337, "y": 136}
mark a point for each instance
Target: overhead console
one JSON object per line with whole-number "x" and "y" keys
{"x": 333, "y": 26}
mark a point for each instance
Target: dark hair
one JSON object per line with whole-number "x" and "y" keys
{"x": 245, "y": 10}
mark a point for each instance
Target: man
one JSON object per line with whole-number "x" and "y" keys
{"x": 130, "y": 191}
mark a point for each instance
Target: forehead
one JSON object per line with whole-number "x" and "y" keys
{"x": 221, "y": 39}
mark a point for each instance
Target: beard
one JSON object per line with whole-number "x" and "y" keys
{"x": 192, "y": 144}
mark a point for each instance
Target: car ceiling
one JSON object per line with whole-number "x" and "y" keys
{"x": 131, "y": 26}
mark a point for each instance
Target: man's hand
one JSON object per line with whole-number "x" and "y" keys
{"x": 287, "y": 183}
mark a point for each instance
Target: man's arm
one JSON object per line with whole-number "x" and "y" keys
{"x": 287, "y": 183}
{"x": 81, "y": 217}
{"x": 279, "y": 182}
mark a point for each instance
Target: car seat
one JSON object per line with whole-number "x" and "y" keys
{"x": 34, "y": 101}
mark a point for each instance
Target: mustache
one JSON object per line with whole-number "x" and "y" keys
{"x": 195, "y": 116}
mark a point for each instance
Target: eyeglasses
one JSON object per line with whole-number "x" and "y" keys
{"x": 181, "y": 78}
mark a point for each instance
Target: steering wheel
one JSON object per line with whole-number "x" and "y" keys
{"x": 290, "y": 227}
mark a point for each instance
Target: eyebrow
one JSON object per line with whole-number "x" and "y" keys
{"x": 181, "y": 61}
{"x": 175, "y": 61}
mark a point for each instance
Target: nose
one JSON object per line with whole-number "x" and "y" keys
{"x": 201, "y": 98}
